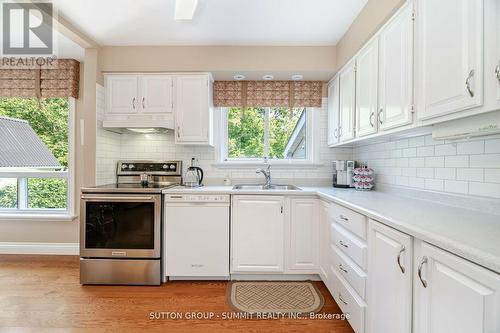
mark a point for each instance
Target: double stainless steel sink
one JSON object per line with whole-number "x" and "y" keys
{"x": 249, "y": 187}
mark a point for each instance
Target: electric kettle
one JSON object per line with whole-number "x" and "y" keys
{"x": 194, "y": 176}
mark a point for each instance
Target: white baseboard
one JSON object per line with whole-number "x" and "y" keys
{"x": 39, "y": 248}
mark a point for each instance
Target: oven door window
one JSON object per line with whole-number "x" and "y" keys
{"x": 119, "y": 225}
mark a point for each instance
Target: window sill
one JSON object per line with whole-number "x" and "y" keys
{"x": 275, "y": 165}
{"x": 5, "y": 217}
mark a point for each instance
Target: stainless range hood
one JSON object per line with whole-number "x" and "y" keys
{"x": 139, "y": 124}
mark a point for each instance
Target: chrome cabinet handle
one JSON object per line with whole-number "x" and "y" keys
{"x": 178, "y": 131}
{"x": 341, "y": 299}
{"x": 143, "y": 102}
{"x": 379, "y": 115}
{"x": 372, "y": 115}
{"x": 342, "y": 268}
{"x": 343, "y": 244}
{"x": 424, "y": 261}
{"x": 133, "y": 103}
{"x": 497, "y": 72}
{"x": 467, "y": 83}
{"x": 343, "y": 218}
{"x": 335, "y": 133}
{"x": 403, "y": 249}
{"x": 340, "y": 131}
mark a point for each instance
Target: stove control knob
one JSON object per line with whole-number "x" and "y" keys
{"x": 165, "y": 166}
{"x": 172, "y": 166}
{"x": 124, "y": 166}
{"x": 131, "y": 166}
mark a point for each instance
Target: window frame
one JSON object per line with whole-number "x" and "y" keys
{"x": 22, "y": 182}
{"x": 312, "y": 142}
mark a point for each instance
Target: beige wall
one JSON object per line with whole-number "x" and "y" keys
{"x": 372, "y": 17}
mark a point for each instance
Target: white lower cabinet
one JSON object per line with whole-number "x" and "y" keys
{"x": 390, "y": 284}
{"x": 453, "y": 294}
{"x": 304, "y": 236}
{"x": 257, "y": 229}
{"x": 324, "y": 240}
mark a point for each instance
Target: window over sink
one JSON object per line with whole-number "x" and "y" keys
{"x": 274, "y": 134}
{"x": 36, "y": 156}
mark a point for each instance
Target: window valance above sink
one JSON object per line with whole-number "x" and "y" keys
{"x": 59, "y": 79}
{"x": 267, "y": 93}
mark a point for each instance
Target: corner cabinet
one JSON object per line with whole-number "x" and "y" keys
{"x": 257, "y": 234}
{"x": 333, "y": 111}
{"x": 390, "y": 282}
{"x": 449, "y": 56}
{"x": 193, "y": 109}
{"x": 347, "y": 102}
{"x": 453, "y": 294}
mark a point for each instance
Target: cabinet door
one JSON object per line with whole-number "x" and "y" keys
{"x": 304, "y": 235}
{"x": 122, "y": 94}
{"x": 333, "y": 111}
{"x": 449, "y": 56}
{"x": 156, "y": 94}
{"x": 367, "y": 89}
{"x": 458, "y": 295}
{"x": 347, "y": 83}
{"x": 396, "y": 71}
{"x": 324, "y": 241}
{"x": 497, "y": 67}
{"x": 191, "y": 105}
{"x": 257, "y": 227}
{"x": 389, "y": 280}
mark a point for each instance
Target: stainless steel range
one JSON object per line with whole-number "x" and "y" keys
{"x": 120, "y": 227}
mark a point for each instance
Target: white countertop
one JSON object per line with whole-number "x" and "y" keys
{"x": 471, "y": 234}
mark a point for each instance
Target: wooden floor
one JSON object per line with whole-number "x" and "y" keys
{"x": 43, "y": 294}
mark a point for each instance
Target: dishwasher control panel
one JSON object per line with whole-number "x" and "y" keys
{"x": 216, "y": 198}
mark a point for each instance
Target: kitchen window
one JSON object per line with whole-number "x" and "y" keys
{"x": 36, "y": 157}
{"x": 278, "y": 135}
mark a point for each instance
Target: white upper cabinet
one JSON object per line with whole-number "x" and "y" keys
{"x": 367, "y": 89}
{"x": 122, "y": 94}
{"x": 333, "y": 111}
{"x": 347, "y": 100}
{"x": 193, "y": 109}
{"x": 156, "y": 94}
{"x": 304, "y": 235}
{"x": 389, "y": 281}
{"x": 257, "y": 234}
{"x": 453, "y": 294}
{"x": 449, "y": 56}
{"x": 396, "y": 71}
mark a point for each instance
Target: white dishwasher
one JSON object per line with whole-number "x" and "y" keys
{"x": 196, "y": 236}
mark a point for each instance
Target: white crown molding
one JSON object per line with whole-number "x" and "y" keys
{"x": 39, "y": 248}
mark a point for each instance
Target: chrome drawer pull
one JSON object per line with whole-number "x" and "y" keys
{"x": 343, "y": 218}
{"x": 343, "y": 244}
{"x": 403, "y": 249}
{"x": 342, "y": 268}
{"x": 341, "y": 299}
{"x": 424, "y": 261}
{"x": 497, "y": 72}
{"x": 467, "y": 83}
{"x": 372, "y": 116}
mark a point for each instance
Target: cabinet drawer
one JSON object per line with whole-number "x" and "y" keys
{"x": 349, "y": 270}
{"x": 354, "y": 247}
{"x": 349, "y": 302}
{"x": 354, "y": 222}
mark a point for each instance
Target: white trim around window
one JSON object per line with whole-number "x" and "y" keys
{"x": 67, "y": 214}
{"x": 312, "y": 150}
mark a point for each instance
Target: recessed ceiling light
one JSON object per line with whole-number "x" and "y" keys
{"x": 239, "y": 77}
{"x": 268, "y": 77}
{"x": 297, "y": 77}
{"x": 184, "y": 9}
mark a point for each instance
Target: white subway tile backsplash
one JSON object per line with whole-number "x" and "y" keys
{"x": 456, "y": 161}
{"x": 476, "y": 175}
{"x": 463, "y": 167}
{"x": 470, "y": 148}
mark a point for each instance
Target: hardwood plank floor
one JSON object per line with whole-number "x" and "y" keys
{"x": 43, "y": 294}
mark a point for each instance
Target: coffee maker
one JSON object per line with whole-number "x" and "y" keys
{"x": 342, "y": 173}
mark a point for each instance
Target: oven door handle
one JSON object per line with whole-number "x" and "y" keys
{"x": 116, "y": 198}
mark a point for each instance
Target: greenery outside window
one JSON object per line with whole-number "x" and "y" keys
{"x": 37, "y": 190}
{"x": 277, "y": 135}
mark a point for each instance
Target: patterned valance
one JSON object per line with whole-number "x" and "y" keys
{"x": 60, "y": 79}
{"x": 267, "y": 93}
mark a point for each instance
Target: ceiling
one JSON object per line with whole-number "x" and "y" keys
{"x": 216, "y": 22}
